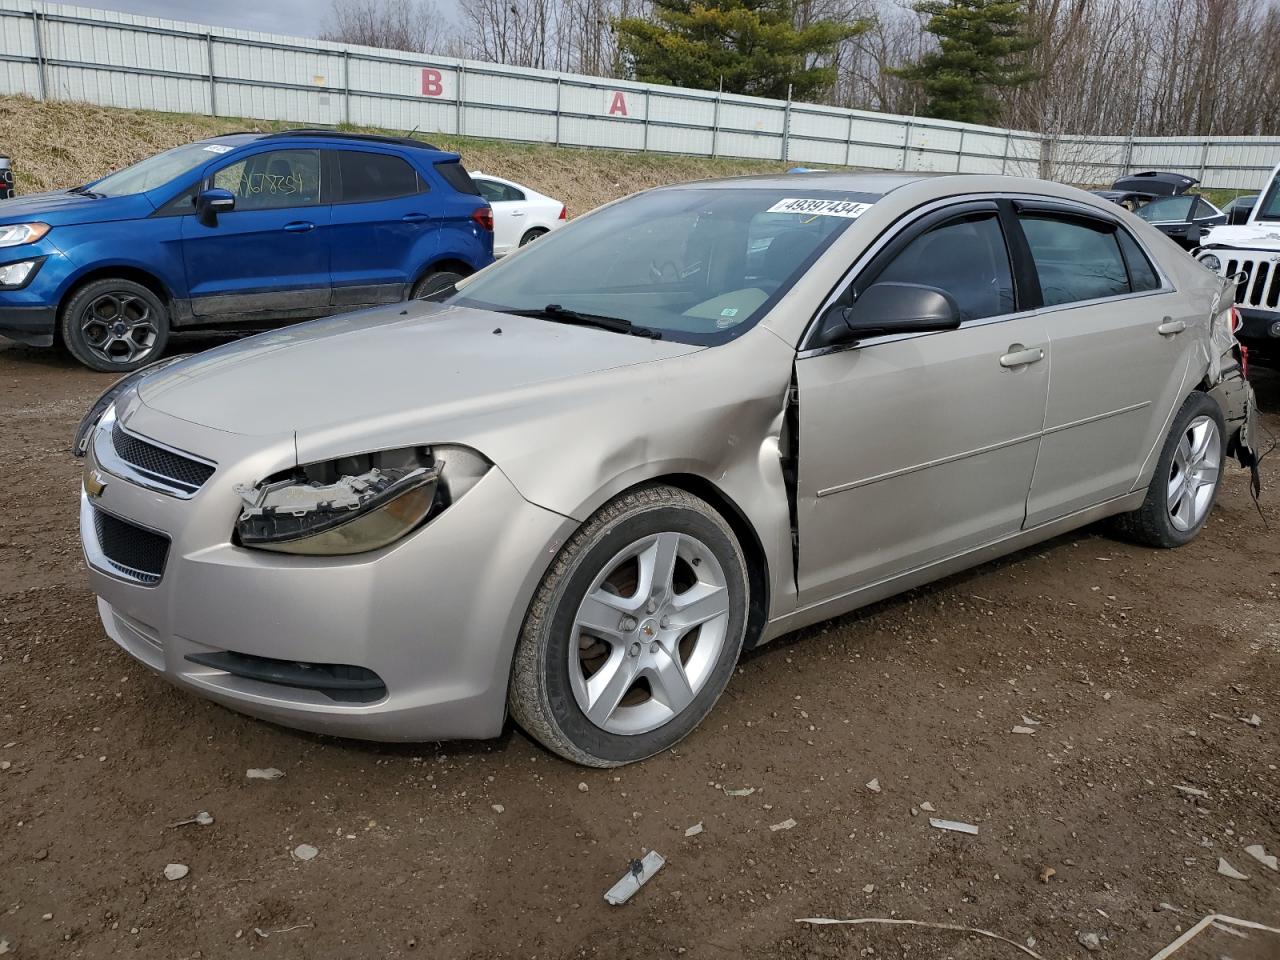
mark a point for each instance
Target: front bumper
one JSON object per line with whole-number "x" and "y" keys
{"x": 30, "y": 324}
{"x": 1259, "y": 332}
{"x": 435, "y": 616}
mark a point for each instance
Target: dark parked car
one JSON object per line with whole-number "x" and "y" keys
{"x": 1184, "y": 218}
{"x": 1238, "y": 210}
{"x": 249, "y": 229}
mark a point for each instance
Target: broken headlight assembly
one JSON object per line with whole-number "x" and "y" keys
{"x": 355, "y": 504}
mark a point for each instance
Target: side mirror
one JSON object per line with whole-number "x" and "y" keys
{"x": 210, "y": 203}
{"x": 1239, "y": 215}
{"x": 890, "y": 307}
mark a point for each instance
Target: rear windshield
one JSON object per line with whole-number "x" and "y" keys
{"x": 159, "y": 170}
{"x": 1161, "y": 209}
{"x": 699, "y": 265}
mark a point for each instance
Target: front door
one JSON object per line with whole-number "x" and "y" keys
{"x": 269, "y": 256}
{"x": 914, "y": 448}
{"x": 1121, "y": 345}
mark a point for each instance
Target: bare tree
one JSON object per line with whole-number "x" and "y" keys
{"x": 414, "y": 25}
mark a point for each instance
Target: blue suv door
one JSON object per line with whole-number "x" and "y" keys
{"x": 385, "y": 225}
{"x": 269, "y": 257}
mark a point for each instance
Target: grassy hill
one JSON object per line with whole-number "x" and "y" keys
{"x": 59, "y": 144}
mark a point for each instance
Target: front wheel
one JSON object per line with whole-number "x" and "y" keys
{"x": 1186, "y": 480}
{"x": 115, "y": 325}
{"x": 635, "y": 630}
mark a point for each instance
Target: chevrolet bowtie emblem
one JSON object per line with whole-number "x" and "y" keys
{"x": 94, "y": 483}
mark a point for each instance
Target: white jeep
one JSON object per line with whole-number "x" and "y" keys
{"x": 1249, "y": 250}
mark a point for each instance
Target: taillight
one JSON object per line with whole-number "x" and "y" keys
{"x": 564, "y": 213}
{"x": 484, "y": 217}
{"x": 1244, "y": 361}
{"x": 1236, "y": 321}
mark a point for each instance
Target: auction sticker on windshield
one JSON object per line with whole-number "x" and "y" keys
{"x": 821, "y": 208}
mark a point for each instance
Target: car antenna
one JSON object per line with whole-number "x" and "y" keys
{"x": 410, "y": 134}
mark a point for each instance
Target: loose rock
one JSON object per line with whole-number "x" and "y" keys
{"x": 304, "y": 852}
{"x": 176, "y": 871}
{"x": 694, "y": 830}
{"x": 264, "y": 773}
{"x": 874, "y": 786}
{"x": 786, "y": 824}
{"x": 1227, "y": 870}
{"x": 1259, "y": 853}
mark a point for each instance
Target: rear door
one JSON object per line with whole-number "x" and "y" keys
{"x": 915, "y": 448}
{"x": 385, "y": 226}
{"x": 509, "y": 213}
{"x": 269, "y": 257}
{"x": 1119, "y": 356}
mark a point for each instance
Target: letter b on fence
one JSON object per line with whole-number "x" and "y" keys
{"x": 432, "y": 82}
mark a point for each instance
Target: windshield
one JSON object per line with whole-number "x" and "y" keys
{"x": 1176, "y": 209}
{"x": 158, "y": 170}
{"x": 698, "y": 265}
{"x": 1269, "y": 208}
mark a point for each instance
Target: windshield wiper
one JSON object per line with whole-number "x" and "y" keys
{"x": 558, "y": 314}
{"x": 86, "y": 192}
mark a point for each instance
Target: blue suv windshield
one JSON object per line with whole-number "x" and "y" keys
{"x": 158, "y": 170}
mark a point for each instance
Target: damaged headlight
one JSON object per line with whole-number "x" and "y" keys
{"x": 354, "y": 504}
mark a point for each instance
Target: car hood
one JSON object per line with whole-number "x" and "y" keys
{"x": 59, "y": 208}
{"x": 1250, "y": 236}
{"x": 352, "y": 372}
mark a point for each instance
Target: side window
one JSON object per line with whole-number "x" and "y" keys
{"x": 271, "y": 181}
{"x": 368, "y": 177}
{"x": 491, "y": 190}
{"x": 511, "y": 193}
{"x": 1142, "y": 275}
{"x": 1203, "y": 210}
{"x": 1075, "y": 259}
{"x": 967, "y": 258}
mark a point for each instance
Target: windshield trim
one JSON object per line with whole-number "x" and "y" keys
{"x": 708, "y": 338}
{"x": 1268, "y": 197}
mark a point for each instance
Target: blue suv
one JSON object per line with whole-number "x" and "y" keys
{"x": 244, "y": 229}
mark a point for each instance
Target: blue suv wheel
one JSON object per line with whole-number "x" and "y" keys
{"x": 115, "y": 325}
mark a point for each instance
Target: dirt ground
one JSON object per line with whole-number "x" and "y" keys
{"x": 1139, "y": 667}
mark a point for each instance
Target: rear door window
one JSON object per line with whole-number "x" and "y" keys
{"x": 370, "y": 177}
{"x": 1077, "y": 259}
{"x": 1142, "y": 275}
{"x": 966, "y": 258}
{"x": 273, "y": 180}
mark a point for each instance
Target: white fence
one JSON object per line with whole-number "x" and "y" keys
{"x": 65, "y": 52}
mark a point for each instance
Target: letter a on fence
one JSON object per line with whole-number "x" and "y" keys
{"x": 618, "y": 106}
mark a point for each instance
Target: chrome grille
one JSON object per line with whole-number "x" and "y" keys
{"x": 1259, "y": 282}
{"x": 132, "y": 551}
{"x": 160, "y": 464}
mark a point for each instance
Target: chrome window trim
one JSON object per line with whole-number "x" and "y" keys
{"x": 104, "y": 452}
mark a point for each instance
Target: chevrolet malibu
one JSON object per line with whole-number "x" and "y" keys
{"x": 578, "y": 485}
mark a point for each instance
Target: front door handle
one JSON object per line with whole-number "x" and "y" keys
{"x": 299, "y": 226}
{"x": 1019, "y": 357}
{"x": 1171, "y": 328}
{"x": 415, "y": 218}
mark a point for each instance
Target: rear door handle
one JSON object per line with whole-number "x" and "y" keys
{"x": 1171, "y": 327}
{"x": 1020, "y": 358}
{"x": 517, "y": 213}
{"x": 299, "y": 226}
{"x": 415, "y": 217}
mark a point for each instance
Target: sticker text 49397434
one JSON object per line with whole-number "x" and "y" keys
{"x": 821, "y": 208}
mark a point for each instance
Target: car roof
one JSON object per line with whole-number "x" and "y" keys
{"x": 845, "y": 181}
{"x": 242, "y": 138}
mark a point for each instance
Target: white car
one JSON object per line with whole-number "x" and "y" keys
{"x": 519, "y": 214}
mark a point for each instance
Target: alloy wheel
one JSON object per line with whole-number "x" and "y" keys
{"x": 119, "y": 327}
{"x": 1193, "y": 474}
{"x": 648, "y": 634}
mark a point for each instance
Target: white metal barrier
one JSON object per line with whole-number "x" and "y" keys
{"x": 59, "y": 51}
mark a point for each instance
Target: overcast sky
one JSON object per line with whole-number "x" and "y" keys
{"x": 299, "y": 18}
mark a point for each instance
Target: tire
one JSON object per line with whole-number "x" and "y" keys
{"x": 114, "y": 325}
{"x": 1174, "y": 512}
{"x": 533, "y": 235}
{"x": 435, "y": 282}
{"x": 568, "y": 703}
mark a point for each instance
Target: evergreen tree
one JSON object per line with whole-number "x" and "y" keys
{"x": 754, "y": 45}
{"x": 980, "y": 43}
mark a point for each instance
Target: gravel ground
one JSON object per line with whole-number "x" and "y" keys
{"x": 1138, "y": 667}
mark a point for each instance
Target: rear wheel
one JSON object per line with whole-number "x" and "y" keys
{"x": 433, "y": 283}
{"x": 115, "y": 325}
{"x": 532, "y": 235}
{"x": 1186, "y": 480}
{"x": 634, "y": 632}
